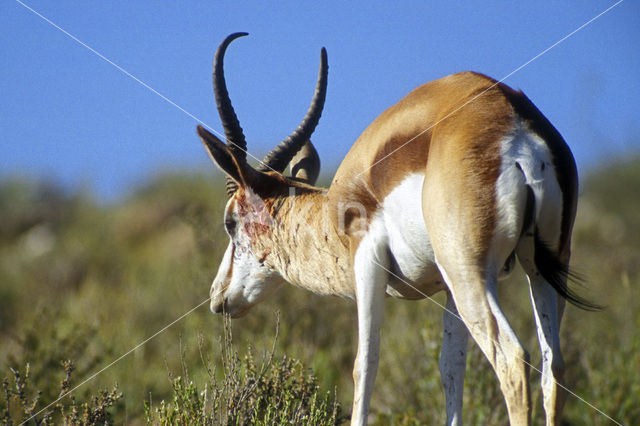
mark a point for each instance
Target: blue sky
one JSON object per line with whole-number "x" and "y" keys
{"x": 68, "y": 115}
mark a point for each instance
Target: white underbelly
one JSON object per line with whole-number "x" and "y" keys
{"x": 414, "y": 271}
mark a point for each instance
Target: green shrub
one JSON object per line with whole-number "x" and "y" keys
{"x": 21, "y": 402}
{"x": 273, "y": 392}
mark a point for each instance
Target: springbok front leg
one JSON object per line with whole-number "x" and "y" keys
{"x": 453, "y": 358}
{"x": 371, "y": 262}
{"x": 547, "y": 309}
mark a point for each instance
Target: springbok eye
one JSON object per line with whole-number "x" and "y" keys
{"x": 230, "y": 225}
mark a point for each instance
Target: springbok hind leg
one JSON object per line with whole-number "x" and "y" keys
{"x": 547, "y": 309}
{"x": 453, "y": 358}
{"x": 545, "y": 303}
{"x": 478, "y": 306}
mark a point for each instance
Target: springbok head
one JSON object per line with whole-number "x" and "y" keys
{"x": 245, "y": 277}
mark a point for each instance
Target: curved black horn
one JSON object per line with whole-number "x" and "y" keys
{"x": 282, "y": 154}
{"x": 232, "y": 130}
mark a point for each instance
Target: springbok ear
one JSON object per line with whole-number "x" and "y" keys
{"x": 222, "y": 156}
{"x": 305, "y": 165}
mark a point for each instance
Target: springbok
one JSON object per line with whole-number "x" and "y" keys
{"x": 443, "y": 191}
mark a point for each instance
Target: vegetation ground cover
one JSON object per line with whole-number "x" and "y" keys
{"x": 81, "y": 283}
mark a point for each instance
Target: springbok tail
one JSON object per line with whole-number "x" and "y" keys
{"x": 552, "y": 269}
{"x": 558, "y": 274}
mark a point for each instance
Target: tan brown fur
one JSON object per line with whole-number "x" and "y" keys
{"x": 428, "y": 123}
{"x": 303, "y": 246}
